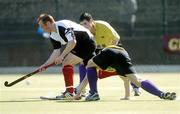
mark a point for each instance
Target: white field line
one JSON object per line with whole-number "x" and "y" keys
{"x": 108, "y": 112}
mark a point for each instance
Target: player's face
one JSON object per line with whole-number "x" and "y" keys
{"x": 86, "y": 24}
{"x": 46, "y": 27}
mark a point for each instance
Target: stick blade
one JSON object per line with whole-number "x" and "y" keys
{"x": 48, "y": 98}
{"x": 6, "y": 84}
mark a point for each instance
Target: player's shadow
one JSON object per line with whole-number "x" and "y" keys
{"x": 78, "y": 101}
{"x": 22, "y": 100}
{"x": 108, "y": 101}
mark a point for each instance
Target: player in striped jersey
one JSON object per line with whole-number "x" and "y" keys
{"x": 80, "y": 47}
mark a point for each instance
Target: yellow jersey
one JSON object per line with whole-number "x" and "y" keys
{"x": 105, "y": 34}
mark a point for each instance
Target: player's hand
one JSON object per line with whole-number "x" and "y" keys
{"x": 41, "y": 68}
{"x": 58, "y": 60}
{"x": 77, "y": 96}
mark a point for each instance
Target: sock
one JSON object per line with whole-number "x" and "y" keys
{"x": 92, "y": 79}
{"x": 134, "y": 86}
{"x": 82, "y": 72}
{"x": 104, "y": 74}
{"x": 151, "y": 88}
{"x": 68, "y": 73}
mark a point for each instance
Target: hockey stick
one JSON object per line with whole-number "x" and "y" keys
{"x": 7, "y": 84}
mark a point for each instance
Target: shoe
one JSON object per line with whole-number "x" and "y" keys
{"x": 92, "y": 97}
{"x": 136, "y": 92}
{"x": 66, "y": 96}
{"x": 168, "y": 96}
{"x": 173, "y": 96}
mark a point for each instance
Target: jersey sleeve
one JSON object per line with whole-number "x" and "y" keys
{"x": 56, "y": 44}
{"x": 111, "y": 32}
{"x": 105, "y": 34}
{"x": 69, "y": 34}
{"x": 65, "y": 31}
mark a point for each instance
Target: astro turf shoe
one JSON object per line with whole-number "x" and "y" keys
{"x": 168, "y": 96}
{"x": 93, "y": 97}
{"x": 136, "y": 92}
{"x": 66, "y": 96}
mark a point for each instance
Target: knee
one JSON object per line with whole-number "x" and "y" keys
{"x": 134, "y": 79}
{"x": 90, "y": 64}
{"x": 65, "y": 63}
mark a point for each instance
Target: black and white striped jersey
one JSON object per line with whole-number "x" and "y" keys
{"x": 66, "y": 30}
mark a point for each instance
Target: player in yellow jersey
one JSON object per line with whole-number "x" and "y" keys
{"x": 104, "y": 35}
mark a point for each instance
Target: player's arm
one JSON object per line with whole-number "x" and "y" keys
{"x": 56, "y": 52}
{"x": 69, "y": 34}
{"x": 71, "y": 43}
{"x": 126, "y": 87}
{"x": 113, "y": 34}
{"x": 54, "y": 55}
{"x": 115, "y": 41}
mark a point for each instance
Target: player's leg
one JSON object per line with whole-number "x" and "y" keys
{"x": 100, "y": 60}
{"x": 108, "y": 73}
{"x": 68, "y": 72}
{"x": 92, "y": 79}
{"x": 104, "y": 74}
{"x": 84, "y": 83}
{"x": 136, "y": 90}
{"x": 126, "y": 68}
{"x": 82, "y": 72}
{"x": 83, "y": 69}
{"x": 126, "y": 87}
{"x": 150, "y": 87}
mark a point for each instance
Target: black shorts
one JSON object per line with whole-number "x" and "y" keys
{"x": 97, "y": 51}
{"x": 85, "y": 46}
{"x": 115, "y": 57}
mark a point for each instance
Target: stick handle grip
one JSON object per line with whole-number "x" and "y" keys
{"x": 37, "y": 71}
